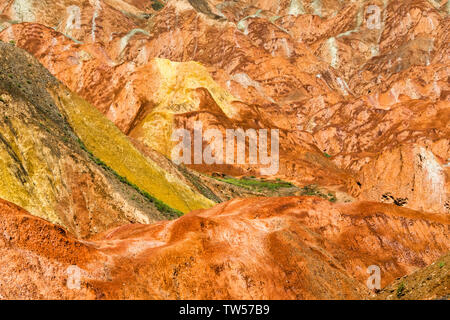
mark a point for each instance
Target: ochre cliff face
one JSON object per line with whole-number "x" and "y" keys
{"x": 430, "y": 283}
{"x": 357, "y": 90}
{"x": 63, "y": 161}
{"x": 351, "y": 81}
{"x": 420, "y": 179}
{"x": 274, "y": 248}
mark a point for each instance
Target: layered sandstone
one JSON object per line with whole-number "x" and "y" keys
{"x": 337, "y": 79}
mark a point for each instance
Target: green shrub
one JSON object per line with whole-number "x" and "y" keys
{"x": 251, "y": 183}
{"x": 401, "y": 289}
{"x": 313, "y": 190}
{"x": 157, "y": 5}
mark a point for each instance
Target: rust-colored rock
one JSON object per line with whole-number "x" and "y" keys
{"x": 358, "y": 90}
{"x": 274, "y": 248}
{"x": 329, "y": 75}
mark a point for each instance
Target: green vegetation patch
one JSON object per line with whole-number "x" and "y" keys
{"x": 401, "y": 289}
{"x": 313, "y": 190}
{"x": 157, "y": 5}
{"x": 257, "y": 184}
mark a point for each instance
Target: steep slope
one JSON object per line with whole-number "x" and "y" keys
{"x": 345, "y": 93}
{"x": 149, "y": 102}
{"x": 35, "y": 256}
{"x": 429, "y": 283}
{"x": 81, "y": 20}
{"x": 358, "y": 91}
{"x": 107, "y": 143}
{"x": 274, "y": 248}
{"x": 85, "y": 185}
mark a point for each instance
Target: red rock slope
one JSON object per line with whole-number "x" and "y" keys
{"x": 274, "y": 248}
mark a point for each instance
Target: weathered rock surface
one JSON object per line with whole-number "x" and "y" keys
{"x": 354, "y": 80}
{"x": 358, "y": 91}
{"x": 429, "y": 283}
{"x": 274, "y": 248}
